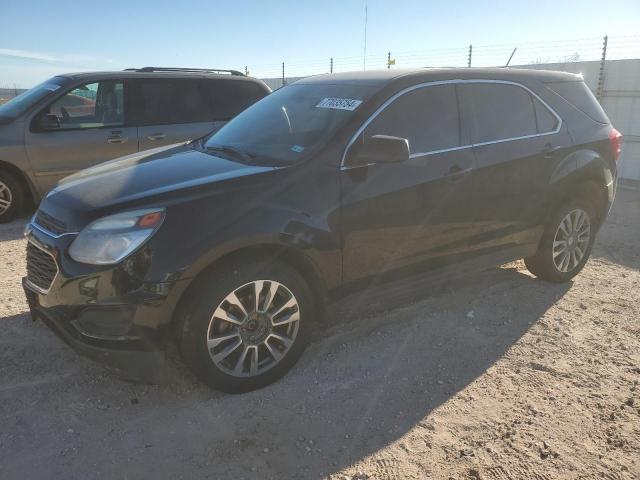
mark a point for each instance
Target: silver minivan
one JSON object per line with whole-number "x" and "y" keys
{"x": 74, "y": 121}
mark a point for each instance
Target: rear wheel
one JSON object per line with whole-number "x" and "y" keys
{"x": 566, "y": 244}
{"x": 244, "y": 327}
{"x": 11, "y": 196}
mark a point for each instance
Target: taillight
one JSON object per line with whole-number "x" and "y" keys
{"x": 615, "y": 138}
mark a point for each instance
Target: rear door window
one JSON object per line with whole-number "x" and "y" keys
{"x": 428, "y": 117}
{"x": 227, "y": 98}
{"x": 170, "y": 101}
{"x": 498, "y": 111}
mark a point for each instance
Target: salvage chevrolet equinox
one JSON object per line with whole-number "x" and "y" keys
{"x": 232, "y": 245}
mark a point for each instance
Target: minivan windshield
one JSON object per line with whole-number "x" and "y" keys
{"x": 291, "y": 123}
{"x": 19, "y": 104}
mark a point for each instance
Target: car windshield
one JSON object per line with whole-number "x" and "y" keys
{"x": 291, "y": 123}
{"x": 19, "y": 104}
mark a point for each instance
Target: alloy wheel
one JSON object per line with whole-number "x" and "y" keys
{"x": 6, "y": 198}
{"x": 571, "y": 240}
{"x": 253, "y": 328}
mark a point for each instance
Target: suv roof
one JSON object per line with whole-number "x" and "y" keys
{"x": 381, "y": 77}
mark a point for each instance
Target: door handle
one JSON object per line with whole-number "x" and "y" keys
{"x": 116, "y": 139}
{"x": 456, "y": 173}
{"x": 156, "y": 136}
{"x": 548, "y": 150}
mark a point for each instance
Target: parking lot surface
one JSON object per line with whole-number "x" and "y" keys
{"x": 495, "y": 375}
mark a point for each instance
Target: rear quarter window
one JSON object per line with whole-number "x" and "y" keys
{"x": 579, "y": 95}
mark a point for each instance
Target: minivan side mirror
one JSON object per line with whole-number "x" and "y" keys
{"x": 49, "y": 122}
{"x": 381, "y": 149}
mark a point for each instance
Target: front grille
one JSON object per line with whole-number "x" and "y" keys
{"x": 50, "y": 224}
{"x": 41, "y": 267}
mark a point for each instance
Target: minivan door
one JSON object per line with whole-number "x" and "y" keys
{"x": 517, "y": 145}
{"x": 170, "y": 110}
{"x": 406, "y": 214}
{"x": 85, "y": 126}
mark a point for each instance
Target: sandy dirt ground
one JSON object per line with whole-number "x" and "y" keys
{"x": 492, "y": 376}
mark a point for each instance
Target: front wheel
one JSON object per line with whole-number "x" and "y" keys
{"x": 244, "y": 327}
{"x": 11, "y": 197}
{"x": 566, "y": 244}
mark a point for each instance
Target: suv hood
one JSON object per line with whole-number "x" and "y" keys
{"x": 144, "y": 175}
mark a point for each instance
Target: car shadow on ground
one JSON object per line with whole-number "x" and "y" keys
{"x": 367, "y": 381}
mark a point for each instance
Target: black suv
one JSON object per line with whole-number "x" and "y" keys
{"x": 232, "y": 244}
{"x": 78, "y": 120}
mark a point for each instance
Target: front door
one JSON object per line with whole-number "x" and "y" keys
{"x": 406, "y": 214}
{"x": 90, "y": 129}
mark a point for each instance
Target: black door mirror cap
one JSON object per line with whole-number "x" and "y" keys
{"x": 380, "y": 149}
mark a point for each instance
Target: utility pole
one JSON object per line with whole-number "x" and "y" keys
{"x": 246, "y": 70}
{"x": 388, "y": 60}
{"x": 331, "y": 65}
{"x": 283, "y": 80}
{"x": 600, "y": 90}
{"x": 470, "y": 52}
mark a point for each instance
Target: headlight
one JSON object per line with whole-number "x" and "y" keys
{"x": 110, "y": 239}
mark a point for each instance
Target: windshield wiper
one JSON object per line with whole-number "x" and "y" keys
{"x": 237, "y": 153}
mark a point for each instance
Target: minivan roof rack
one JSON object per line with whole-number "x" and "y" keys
{"x": 194, "y": 70}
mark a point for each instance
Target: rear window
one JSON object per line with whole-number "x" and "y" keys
{"x": 579, "y": 95}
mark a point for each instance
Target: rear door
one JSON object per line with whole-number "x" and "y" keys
{"x": 517, "y": 145}
{"x": 93, "y": 128}
{"x": 404, "y": 214}
{"x": 170, "y": 110}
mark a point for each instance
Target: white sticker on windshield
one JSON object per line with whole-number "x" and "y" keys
{"x": 51, "y": 87}
{"x": 339, "y": 103}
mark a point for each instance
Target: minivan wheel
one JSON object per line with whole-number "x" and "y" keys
{"x": 244, "y": 327}
{"x": 11, "y": 197}
{"x": 566, "y": 243}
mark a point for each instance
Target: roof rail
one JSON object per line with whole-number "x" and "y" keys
{"x": 193, "y": 70}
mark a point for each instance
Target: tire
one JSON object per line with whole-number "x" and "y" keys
{"x": 558, "y": 269}
{"x": 205, "y": 320}
{"x": 12, "y": 197}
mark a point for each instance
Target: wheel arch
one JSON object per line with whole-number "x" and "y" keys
{"x": 22, "y": 177}
{"x": 295, "y": 258}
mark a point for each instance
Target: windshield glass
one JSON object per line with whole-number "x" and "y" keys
{"x": 291, "y": 123}
{"x": 18, "y": 105}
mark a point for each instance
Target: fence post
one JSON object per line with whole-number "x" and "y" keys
{"x": 600, "y": 90}
{"x": 470, "y": 51}
{"x": 283, "y": 80}
{"x": 331, "y": 65}
{"x": 389, "y": 60}
{"x": 246, "y": 70}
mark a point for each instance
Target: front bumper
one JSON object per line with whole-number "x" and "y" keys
{"x": 112, "y": 314}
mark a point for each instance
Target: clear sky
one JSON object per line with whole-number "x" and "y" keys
{"x": 42, "y": 38}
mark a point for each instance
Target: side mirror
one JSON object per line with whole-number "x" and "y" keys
{"x": 49, "y": 122}
{"x": 381, "y": 149}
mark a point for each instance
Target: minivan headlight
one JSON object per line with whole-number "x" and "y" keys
{"x": 110, "y": 239}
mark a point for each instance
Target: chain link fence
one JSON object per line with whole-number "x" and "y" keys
{"x": 481, "y": 55}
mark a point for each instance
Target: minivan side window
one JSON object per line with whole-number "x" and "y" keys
{"x": 545, "y": 120}
{"x": 97, "y": 104}
{"x": 169, "y": 101}
{"x": 227, "y": 98}
{"x": 428, "y": 117}
{"x": 498, "y": 111}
